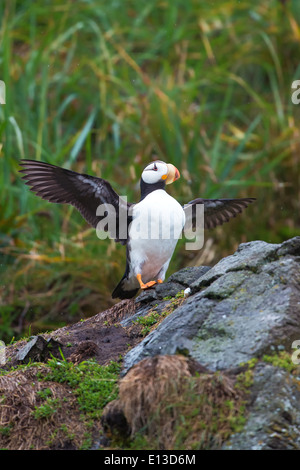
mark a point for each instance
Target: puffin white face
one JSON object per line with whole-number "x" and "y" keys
{"x": 160, "y": 171}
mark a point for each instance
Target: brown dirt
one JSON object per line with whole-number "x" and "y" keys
{"x": 100, "y": 337}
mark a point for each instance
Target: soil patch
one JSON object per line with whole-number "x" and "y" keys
{"x": 100, "y": 337}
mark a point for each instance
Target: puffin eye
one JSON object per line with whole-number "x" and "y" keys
{"x": 155, "y": 167}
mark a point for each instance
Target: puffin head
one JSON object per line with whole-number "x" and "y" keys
{"x": 160, "y": 172}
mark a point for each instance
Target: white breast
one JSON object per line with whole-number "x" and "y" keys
{"x": 157, "y": 224}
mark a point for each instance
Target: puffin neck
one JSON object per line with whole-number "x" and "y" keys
{"x": 147, "y": 188}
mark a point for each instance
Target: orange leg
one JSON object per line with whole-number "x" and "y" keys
{"x": 159, "y": 281}
{"x": 142, "y": 285}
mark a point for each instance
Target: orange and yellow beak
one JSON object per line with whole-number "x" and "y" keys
{"x": 172, "y": 175}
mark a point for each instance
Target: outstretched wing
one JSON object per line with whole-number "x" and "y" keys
{"x": 86, "y": 193}
{"x": 216, "y": 211}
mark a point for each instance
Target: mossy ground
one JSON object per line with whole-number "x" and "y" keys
{"x": 57, "y": 405}
{"x": 154, "y": 318}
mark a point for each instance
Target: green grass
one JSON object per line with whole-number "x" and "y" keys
{"x": 47, "y": 409}
{"x": 103, "y": 88}
{"x": 148, "y": 321}
{"x": 93, "y": 385}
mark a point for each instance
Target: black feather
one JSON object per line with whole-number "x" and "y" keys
{"x": 216, "y": 211}
{"x": 82, "y": 191}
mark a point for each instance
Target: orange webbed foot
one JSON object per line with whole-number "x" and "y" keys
{"x": 142, "y": 285}
{"x": 148, "y": 284}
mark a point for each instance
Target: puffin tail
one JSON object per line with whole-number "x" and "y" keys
{"x": 121, "y": 293}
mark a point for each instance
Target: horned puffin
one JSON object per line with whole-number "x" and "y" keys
{"x": 150, "y": 228}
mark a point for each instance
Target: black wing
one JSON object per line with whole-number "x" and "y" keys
{"x": 86, "y": 193}
{"x": 216, "y": 211}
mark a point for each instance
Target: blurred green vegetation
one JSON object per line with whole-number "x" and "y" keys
{"x": 104, "y": 88}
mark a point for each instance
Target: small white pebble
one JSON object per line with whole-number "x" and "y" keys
{"x": 187, "y": 292}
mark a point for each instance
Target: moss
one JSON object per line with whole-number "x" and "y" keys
{"x": 153, "y": 318}
{"x": 94, "y": 385}
{"x": 148, "y": 321}
{"x": 250, "y": 364}
{"x": 281, "y": 359}
{"x": 180, "y": 294}
{"x": 213, "y": 332}
{"x": 244, "y": 380}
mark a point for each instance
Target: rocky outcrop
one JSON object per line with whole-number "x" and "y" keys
{"x": 245, "y": 306}
{"x": 209, "y": 342}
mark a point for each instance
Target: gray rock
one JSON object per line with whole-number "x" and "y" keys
{"x": 249, "y": 256}
{"x": 187, "y": 276}
{"x": 32, "y": 349}
{"x": 155, "y": 297}
{"x": 274, "y": 415}
{"x": 38, "y": 349}
{"x": 158, "y": 292}
{"x": 176, "y": 282}
{"x": 246, "y": 305}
